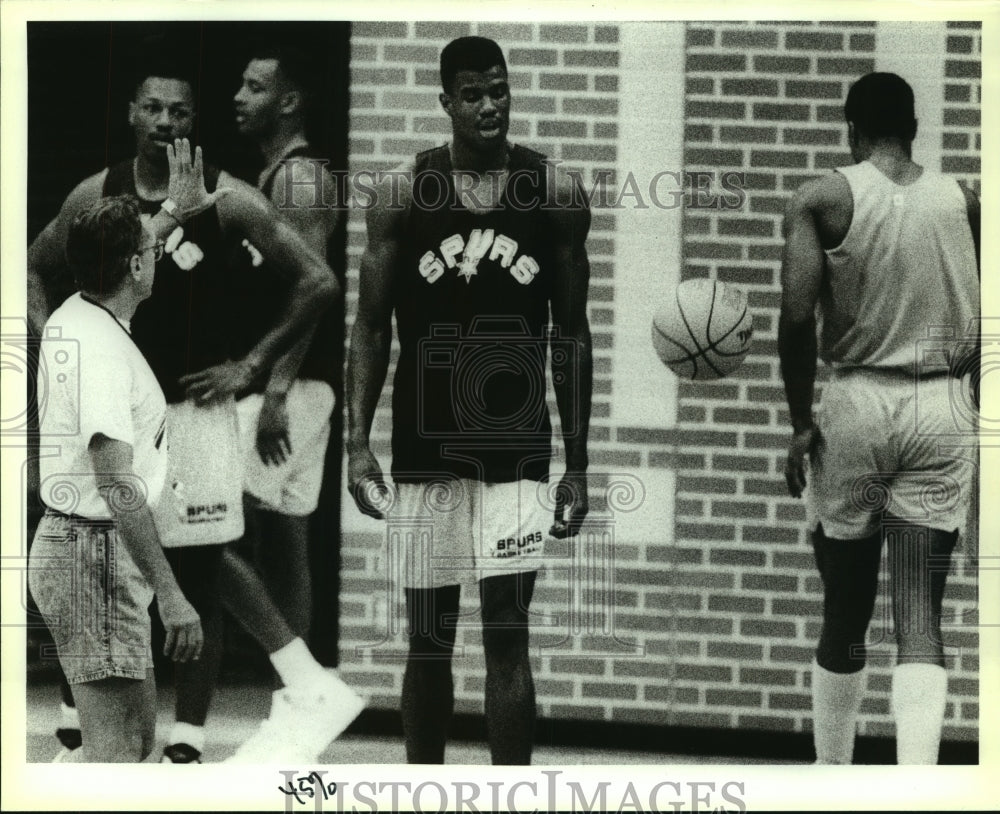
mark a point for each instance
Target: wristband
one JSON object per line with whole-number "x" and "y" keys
{"x": 170, "y": 207}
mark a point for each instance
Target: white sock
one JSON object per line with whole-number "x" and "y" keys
{"x": 836, "y": 699}
{"x": 70, "y": 716}
{"x": 193, "y": 736}
{"x": 918, "y": 702}
{"x": 296, "y": 666}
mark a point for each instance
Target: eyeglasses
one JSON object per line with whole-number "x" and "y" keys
{"x": 157, "y": 249}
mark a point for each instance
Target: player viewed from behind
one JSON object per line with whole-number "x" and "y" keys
{"x": 470, "y": 260}
{"x": 882, "y": 250}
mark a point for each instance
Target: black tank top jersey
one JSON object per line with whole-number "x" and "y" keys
{"x": 471, "y": 298}
{"x": 261, "y": 294}
{"x": 184, "y": 326}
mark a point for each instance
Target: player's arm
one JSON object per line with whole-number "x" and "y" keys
{"x": 46, "y": 254}
{"x": 247, "y": 213}
{"x": 306, "y": 199}
{"x": 124, "y": 494}
{"x": 303, "y": 192}
{"x": 371, "y": 339}
{"x": 573, "y": 380}
{"x": 973, "y": 365}
{"x": 801, "y": 275}
{"x": 973, "y": 211}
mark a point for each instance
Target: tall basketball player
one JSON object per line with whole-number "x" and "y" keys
{"x": 883, "y": 250}
{"x": 470, "y": 251}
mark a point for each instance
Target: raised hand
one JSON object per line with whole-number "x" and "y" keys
{"x": 186, "y": 186}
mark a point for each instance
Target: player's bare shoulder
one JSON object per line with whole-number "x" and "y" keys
{"x": 567, "y": 203}
{"x": 830, "y": 204}
{"x": 389, "y": 200}
{"x": 87, "y": 192}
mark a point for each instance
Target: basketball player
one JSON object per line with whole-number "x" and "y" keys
{"x": 285, "y": 421}
{"x": 105, "y": 416}
{"x": 185, "y": 336}
{"x": 886, "y": 249}
{"x": 470, "y": 251}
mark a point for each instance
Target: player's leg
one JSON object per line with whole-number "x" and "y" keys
{"x": 117, "y": 719}
{"x": 68, "y": 730}
{"x": 919, "y": 559}
{"x": 854, "y": 421}
{"x": 196, "y": 569}
{"x": 510, "y": 690}
{"x": 849, "y": 572}
{"x": 316, "y": 705}
{"x": 282, "y": 497}
{"x": 284, "y": 564}
{"x": 428, "y": 698}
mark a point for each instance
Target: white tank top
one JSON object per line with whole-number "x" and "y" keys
{"x": 907, "y": 263}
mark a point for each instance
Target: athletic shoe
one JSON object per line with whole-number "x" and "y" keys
{"x": 180, "y": 753}
{"x": 302, "y": 724}
{"x": 69, "y": 737}
{"x": 69, "y": 740}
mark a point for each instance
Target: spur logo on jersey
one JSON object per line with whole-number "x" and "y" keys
{"x": 465, "y": 255}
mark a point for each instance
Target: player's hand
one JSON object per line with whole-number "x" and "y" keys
{"x": 218, "y": 382}
{"x": 802, "y": 446}
{"x": 183, "y": 627}
{"x": 273, "y": 442}
{"x": 571, "y": 493}
{"x": 366, "y": 483}
{"x": 186, "y": 186}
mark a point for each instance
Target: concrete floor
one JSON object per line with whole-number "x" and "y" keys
{"x": 237, "y": 710}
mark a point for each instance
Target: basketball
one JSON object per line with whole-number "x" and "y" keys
{"x": 704, "y": 330}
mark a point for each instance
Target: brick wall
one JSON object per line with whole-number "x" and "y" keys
{"x": 564, "y": 81}
{"x": 961, "y": 141}
{"x": 769, "y": 98}
{"x": 715, "y": 620}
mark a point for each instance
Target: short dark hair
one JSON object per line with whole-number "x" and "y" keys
{"x": 298, "y": 65}
{"x": 880, "y": 105}
{"x": 469, "y": 54}
{"x": 102, "y": 240}
{"x": 165, "y": 58}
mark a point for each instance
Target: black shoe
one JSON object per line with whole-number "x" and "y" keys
{"x": 180, "y": 753}
{"x": 69, "y": 737}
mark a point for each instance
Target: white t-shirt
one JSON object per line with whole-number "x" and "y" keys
{"x": 93, "y": 379}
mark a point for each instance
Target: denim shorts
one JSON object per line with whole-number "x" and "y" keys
{"x": 94, "y": 599}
